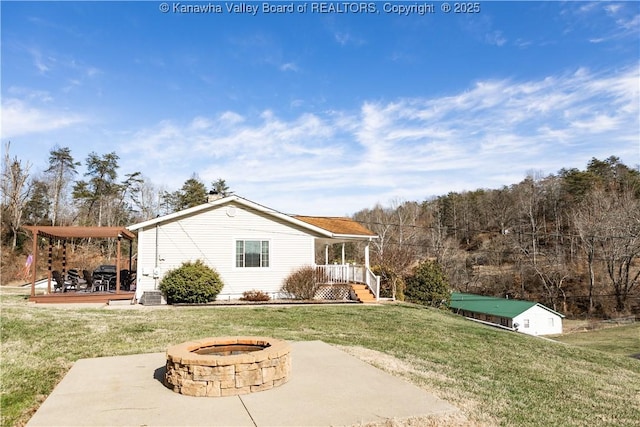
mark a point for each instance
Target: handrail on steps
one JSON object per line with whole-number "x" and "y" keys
{"x": 334, "y": 274}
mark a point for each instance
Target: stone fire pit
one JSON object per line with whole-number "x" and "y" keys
{"x": 227, "y": 366}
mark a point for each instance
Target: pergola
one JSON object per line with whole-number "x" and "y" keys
{"x": 65, "y": 233}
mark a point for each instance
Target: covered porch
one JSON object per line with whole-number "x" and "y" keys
{"x": 341, "y": 232}
{"x": 345, "y": 273}
{"x": 73, "y": 287}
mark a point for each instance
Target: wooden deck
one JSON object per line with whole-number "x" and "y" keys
{"x": 81, "y": 297}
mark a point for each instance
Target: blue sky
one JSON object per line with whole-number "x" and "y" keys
{"x": 324, "y": 113}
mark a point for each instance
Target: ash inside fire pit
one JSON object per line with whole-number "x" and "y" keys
{"x": 227, "y": 366}
{"x": 230, "y": 349}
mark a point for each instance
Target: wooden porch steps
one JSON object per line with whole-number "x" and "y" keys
{"x": 363, "y": 293}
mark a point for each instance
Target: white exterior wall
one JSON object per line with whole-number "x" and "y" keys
{"x": 539, "y": 321}
{"x": 211, "y": 236}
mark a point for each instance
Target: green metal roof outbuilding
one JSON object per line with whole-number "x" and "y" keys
{"x": 523, "y": 316}
{"x": 490, "y": 305}
{"x": 495, "y": 306}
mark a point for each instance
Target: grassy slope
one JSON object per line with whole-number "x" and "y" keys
{"x": 623, "y": 340}
{"x": 494, "y": 376}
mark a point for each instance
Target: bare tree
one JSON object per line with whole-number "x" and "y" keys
{"x": 619, "y": 244}
{"x": 588, "y": 219}
{"x": 15, "y": 192}
{"x": 379, "y": 221}
{"x": 146, "y": 199}
{"x": 398, "y": 245}
{"x": 548, "y": 263}
{"x": 501, "y": 210}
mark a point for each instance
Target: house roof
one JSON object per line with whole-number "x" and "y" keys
{"x": 494, "y": 306}
{"x": 331, "y": 227}
{"x": 80, "y": 232}
{"x": 337, "y": 225}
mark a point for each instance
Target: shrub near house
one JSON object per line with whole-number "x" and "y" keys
{"x": 428, "y": 285}
{"x": 192, "y": 282}
{"x": 303, "y": 283}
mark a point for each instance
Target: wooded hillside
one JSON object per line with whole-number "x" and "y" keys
{"x": 570, "y": 240}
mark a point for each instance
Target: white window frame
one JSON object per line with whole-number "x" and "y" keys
{"x": 262, "y": 261}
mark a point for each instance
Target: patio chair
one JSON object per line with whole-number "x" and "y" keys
{"x": 132, "y": 281}
{"x": 100, "y": 282}
{"x": 74, "y": 279}
{"x": 88, "y": 281}
{"x": 111, "y": 286}
{"x": 124, "y": 280}
{"x": 58, "y": 285}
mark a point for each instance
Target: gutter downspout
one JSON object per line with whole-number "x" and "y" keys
{"x": 155, "y": 267}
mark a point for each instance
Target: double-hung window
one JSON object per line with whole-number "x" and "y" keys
{"x": 252, "y": 253}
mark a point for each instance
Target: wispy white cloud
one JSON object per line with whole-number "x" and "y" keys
{"x": 483, "y": 29}
{"x": 344, "y": 35}
{"x": 42, "y": 62}
{"x": 289, "y": 66}
{"x": 263, "y": 48}
{"x": 612, "y": 8}
{"x": 495, "y": 38}
{"x": 495, "y": 130}
{"x": 345, "y": 38}
{"x": 488, "y": 135}
{"x": 47, "y": 62}
{"x": 621, "y": 20}
{"x": 22, "y": 117}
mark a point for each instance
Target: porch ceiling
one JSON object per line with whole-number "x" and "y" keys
{"x": 322, "y": 241}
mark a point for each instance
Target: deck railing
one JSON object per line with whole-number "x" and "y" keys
{"x": 336, "y": 274}
{"x": 373, "y": 282}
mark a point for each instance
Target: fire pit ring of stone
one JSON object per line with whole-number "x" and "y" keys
{"x": 227, "y": 366}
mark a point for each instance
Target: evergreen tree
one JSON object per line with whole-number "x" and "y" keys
{"x": 61, "y": 168}
{"x": 192, "y": 193}
{"x": 102, "y": 187}
{"x": 220, "y": 186}
{"x": 36, "y": 210}
{"x": 428, "y": 285}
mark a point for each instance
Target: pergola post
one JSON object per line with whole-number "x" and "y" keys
{"x": 118, "y": 260}
{"x": 130, "y": 257}
{"x": 49, "y": 264}
{"x": 64, "y": 258}
{"x": 34, "y": 264}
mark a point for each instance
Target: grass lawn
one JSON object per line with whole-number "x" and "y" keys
{"x": 494, "y": 377}
{"x": 623, "y": 340}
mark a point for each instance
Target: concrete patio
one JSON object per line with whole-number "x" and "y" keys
{"x": 327, "y": 387}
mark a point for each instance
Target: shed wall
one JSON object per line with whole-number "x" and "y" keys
{"x": 538, "y": 321}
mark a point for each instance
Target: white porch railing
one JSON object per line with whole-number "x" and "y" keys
{"x": 335, "y": 274}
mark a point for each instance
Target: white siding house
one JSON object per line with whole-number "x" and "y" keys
{"x": 251, "y": 246}
{"x": 523, "y": 316}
